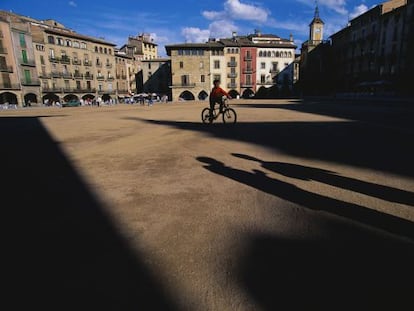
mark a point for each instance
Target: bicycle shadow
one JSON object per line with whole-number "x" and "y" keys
{"x": 333, "y": 179}
{"x": 259, "y": 180}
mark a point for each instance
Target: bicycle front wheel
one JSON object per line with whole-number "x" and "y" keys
{"x": 205, "y": 115}
{"x": 229, "y": 116}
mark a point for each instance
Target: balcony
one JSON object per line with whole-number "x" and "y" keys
{"x": 33, "y": 82}
{"x": 248, "y": 70}
{"x": 232, "y": 64}
{"x": 232, "y": 85}
{"x": 53, "y": 59}
{"x": 4, "y": 68}
{"x": 275, "y": 71}
{"x": 106, "y": 92}
{"x": 87, "y": 62}
{"x": 9, "y": 86}
{"x": 67, "y": 75}
{"x": 123, "y": 77}
{"x": 56, "y": 74}
{"x": 248, "y": 58}
{"x": 78, "y": 76}
{"x": 76, "y": 62}
{"x": 44, "y": 75}
{"x": 27, "y": 62}
{"x": 88, "y": 77}
{"x": 3, "y": 50}
{"x": 100, "y": 78}
{"x": 65, "y": 60}
{"x": 52, "y": 89}
{"x": 98, "y": 64}
{"x": 183, "y": 85}
{"x": 265, "y": 83}
{"x": 110, "y": 78}
{"x": 79, "y": 90}
{"x": 108, "y": 66}
{"x": 232, "y": 75}
{"x": 247, "y": 85}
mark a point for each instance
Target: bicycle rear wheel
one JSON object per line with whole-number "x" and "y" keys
{"x": 229, "y": 116}
{"x": 205, "y": 116}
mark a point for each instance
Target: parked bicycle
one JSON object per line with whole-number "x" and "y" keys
{"x": 229, "y": 114}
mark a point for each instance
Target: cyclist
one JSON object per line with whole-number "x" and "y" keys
{"x": 216, "y": 96}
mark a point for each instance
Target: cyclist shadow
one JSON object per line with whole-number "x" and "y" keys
{"x": 333, "y": 179}
{"x": 307, "y": 199}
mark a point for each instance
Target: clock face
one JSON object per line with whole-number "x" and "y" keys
{"x": 317, "y": 30}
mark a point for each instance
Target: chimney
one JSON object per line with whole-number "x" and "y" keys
{"x": 291, "y": 38}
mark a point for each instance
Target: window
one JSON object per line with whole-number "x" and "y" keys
{"x": 149, "y": 74}
{"x": 216, "y": 64}
{"x": 68, "y": 43}
{"x": 217, "y": 77}
{"x": 185, "y": 80}
{"x": 27, "y": 76}
{"x": 194, "y": 52}
{"x": 274, "y": 67}
{"x": 263, "y": 65}
{"x": 187, "y": 52}
{"x": 60, "y": 41}
{"x": 100, "y": 49}
{"x": 181, "y": 65}
{"x": 24, "y": 56}
{"x": 149, "y": 65}
{"x": 42, "y": 60}
{"x": 263, "y": 79}
{"x": 51, "y": 40}
{"x": 249, "y": 79}
{"x": 180, "y": 52}
{"x": 203, "y": 78}
{"x": 78, "y": 85}
{"x": 105, "y": 50}
{"x": 40, "y": 47}
{"x": 76, "y": 44}
{"x": 260, "y": 54}
{"x": 22, "y": 40}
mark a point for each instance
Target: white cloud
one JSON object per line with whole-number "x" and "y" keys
{"x": 358, "y": 10}
{"x": 236, "y": 10}
{"x": 195, "y": 34}
{"x": 73, "y": 4}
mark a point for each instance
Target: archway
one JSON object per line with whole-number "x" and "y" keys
{"x": 106, "y": 97}
{"x": 88, "y": 97}
{"x": 30, "y": 97}
{"x": 187, "y": 95}
{"x": 233, "y": 93}
{"x": 50, "y": 98}
{"x": 8, "y": 97}
{"x": 262, "y": 93}
{"x": 248, "y": 93}
{"x": 70, "y": 97}
{"x": 203, "y": 95}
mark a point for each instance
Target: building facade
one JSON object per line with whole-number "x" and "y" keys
{"x": 374, "y": 52}
{"x": 156, "y": 75}
{"x": 243, "y": 64}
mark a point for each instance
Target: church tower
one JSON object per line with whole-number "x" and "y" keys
{"x": 316, "y": 28}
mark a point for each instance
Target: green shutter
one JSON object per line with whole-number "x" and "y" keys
{"x": 22, "y": 40}
{"x": 27, "y": 76}
{"x": 24, "y": 56}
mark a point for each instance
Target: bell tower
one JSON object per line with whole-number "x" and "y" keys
{"x": 316, "y": 28}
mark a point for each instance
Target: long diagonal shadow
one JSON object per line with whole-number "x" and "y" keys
{"x": 330, "y": 178}
{"x": 289, "y": 192}
{"x": 63, "y": 251}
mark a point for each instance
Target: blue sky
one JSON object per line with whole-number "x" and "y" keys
{"x": 189, "y": 21}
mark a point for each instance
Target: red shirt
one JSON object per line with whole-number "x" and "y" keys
{"x": 218, "y": 92}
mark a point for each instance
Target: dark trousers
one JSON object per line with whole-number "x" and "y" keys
{"x": 214, "y": 101}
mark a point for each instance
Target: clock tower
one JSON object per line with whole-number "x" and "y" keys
{"x": 316, "y": 28}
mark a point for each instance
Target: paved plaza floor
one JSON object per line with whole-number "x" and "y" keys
{"x": 299, "y": 206}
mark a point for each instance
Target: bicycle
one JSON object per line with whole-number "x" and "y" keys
{"x": 229, "y": 114}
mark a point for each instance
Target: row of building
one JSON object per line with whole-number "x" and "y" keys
{"x": 43, "y": 61}
{"x": 372, "y": 55}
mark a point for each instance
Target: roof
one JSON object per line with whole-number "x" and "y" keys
{"x": 158, "y": 60}
{"x": 75, "y": 35}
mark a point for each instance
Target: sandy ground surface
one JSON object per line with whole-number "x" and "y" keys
{"x": 277, "y": 211}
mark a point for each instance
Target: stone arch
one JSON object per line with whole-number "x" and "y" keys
{"x": 8, "y": 97}
{"x": 187, "y": 95}
{"x": 30, "y": 97}
{"x": 70, "y": 97}
{"x": 106, "y": 97}
{"x": 203, "y": 95}
{"x": 88, "y": 96}
{"x": 260, "y": 54}
{"x": 49, "y": 98}
{"x": 248, "y": 93}
{"x": 269, "y": 54}
{"x": 277, "y": 54}
{"x": 234, "y": 93}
